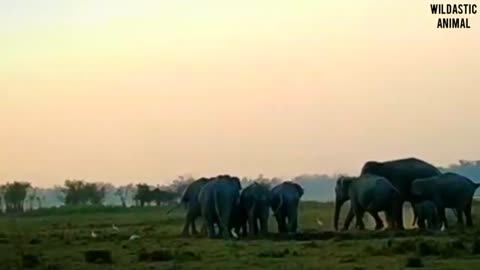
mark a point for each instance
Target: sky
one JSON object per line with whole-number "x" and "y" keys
{"x": 128, "y": 91}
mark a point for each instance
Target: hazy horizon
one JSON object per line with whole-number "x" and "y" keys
{"x": 122, "y": 91}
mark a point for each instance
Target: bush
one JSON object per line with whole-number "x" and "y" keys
{"x": 414, "y": 262}
{"x": 98, "y": 256}
{"x": 427, "y": 248}
{"x": 30, "y": 261}
{"x": 155, "y": 255}
{"x": 476, "y": 246}
{"x": 274, "y": 253}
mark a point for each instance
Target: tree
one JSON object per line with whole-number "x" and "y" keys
{"x": 31, "y": 197}
{"x": 162, "y": 196}
{"x": 15, "y": 194}
{"x": 78, "y": 192}
{"x": 143, "y": 195}
{"x": 123, "y": 192}
{"x": 94, "y": 193}
{"x": 74, "y": 191}
{"x": 180, "y": 184}
{"x": 2, "y": 197}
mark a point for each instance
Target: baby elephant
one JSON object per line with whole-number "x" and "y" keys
{"x": 425, "y": 215}
{"x": 367, "y": 193}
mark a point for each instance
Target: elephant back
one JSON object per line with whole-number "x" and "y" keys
{"x": 255, "y": 193}
{"x": 193, "y": 189}
{"x": 288, "y": 191}
{"x": 401, "y": 172}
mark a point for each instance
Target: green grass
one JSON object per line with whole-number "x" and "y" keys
{"x": 59, "y": 238}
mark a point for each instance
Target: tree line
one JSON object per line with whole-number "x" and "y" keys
{"x": 18, "y": 196}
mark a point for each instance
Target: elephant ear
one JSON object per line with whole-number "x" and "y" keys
{"x": 236, "y": 181}
{"x": 299, "y": 189}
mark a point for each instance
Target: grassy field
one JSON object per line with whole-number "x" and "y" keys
{"x": 59, "y": 239}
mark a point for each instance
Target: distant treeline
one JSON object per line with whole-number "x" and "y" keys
{"x": 22, "y": 196}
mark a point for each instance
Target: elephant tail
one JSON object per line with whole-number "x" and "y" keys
{"x": 215, "y": 203}
{"x": 251, "y": 211}
{"x": 279, "y": 206}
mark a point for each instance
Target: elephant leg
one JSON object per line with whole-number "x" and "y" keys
{"x": 441, "y": 216}
{"x": 389, "y": 218}
{"x": 460, "y": 216}
{"x": 188, "y": 221}
{"x": 194, "y": 228}
{"x": 468, "y": 214}
{"x": 203, "y": 229}
{"x": 264, "y": 226}
{"x": 378, "y": 221}
{"x": 421, "y": 223}
{"x": 282, "y": 227}
{"x": 292, "y": 221}
{"x": 398, "y": 213}
{"x": 251, "y": 225}
{"x": 359, "y": 219}
{"x": 256, "y": 226}
{"x": 209, "y": 224}
{"x": 244, "y": 229}
{"x": 224, "y": 218}
{"x": 348, "y": 219}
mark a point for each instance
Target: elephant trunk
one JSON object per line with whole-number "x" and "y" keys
{"x": 338, "y": 207}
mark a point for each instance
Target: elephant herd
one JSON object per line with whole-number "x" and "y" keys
{"x": 222, "y": 203}
{"x": 229, "y": 211}
{"x": 385, "y": 186}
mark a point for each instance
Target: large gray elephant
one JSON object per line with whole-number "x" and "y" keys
{"x": 367, "y": 193}
{"x": 255, "y": 200}
{"x": 190, "y": 200}
{"x": 449, "y": 190}
{"x": 218, "y": 200}
{"x": 401, "y": 173}
{"x": 425, "y": 215}
{"x": 285, "y": 198}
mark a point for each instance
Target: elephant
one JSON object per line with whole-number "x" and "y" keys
{"x": 218, "y": 200}
{"x": 367, "y": 193}
{"x": 285, "y": 198}
{"x": 255, "y": 200}
{"x": 401, "y": 173}
{"x": 449, "y": 190}
{"x": 190, "y": 200}
{"x": 425, "y": 215}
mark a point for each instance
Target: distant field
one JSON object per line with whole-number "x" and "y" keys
{"x": 59, "y": 238}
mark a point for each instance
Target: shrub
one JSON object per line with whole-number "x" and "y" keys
{"x": 98, "y": 256}
{"x": 414, "y": 262}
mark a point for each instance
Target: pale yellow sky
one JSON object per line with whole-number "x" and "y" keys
{"x": 126, "y": 91}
